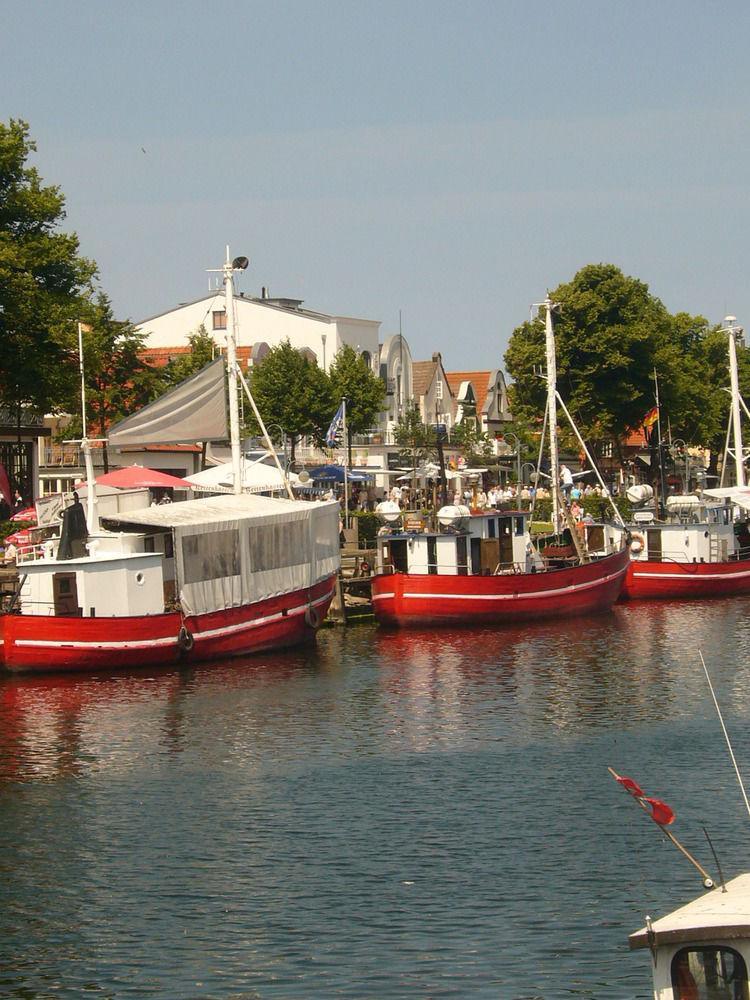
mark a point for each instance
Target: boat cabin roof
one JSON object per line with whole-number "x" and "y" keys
{"x": 715, "y": 916}
{"x": 227, "y": 507}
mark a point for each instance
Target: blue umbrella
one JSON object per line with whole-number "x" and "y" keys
{"x": 328, "y": 473}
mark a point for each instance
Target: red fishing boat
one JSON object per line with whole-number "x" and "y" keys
{"x": 183, "y": 582}
{"x": 482, "y": 569}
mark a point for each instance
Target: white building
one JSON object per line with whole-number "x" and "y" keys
{"x": 263, "y": 323}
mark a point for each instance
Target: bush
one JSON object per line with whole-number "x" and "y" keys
{"x": 368, "y": 527}
{"x": 11, "y": 527}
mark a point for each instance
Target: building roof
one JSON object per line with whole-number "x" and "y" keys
{"x": 422, "y": 374}
{"x": 220, "y": 509}
{"x": 291, "y": 306}
{"x": 715, "y": 916}
{"x": 480, "y": 381}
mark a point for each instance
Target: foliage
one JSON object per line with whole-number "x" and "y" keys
{"x": 293, "y": 392}
{"x": 611, "y": 335}
{"x": 417, "y": 440}
{"x": 369, "y": 524}
{"x": 117, "y": 381}
{"x": 351, "y": 377}
{"x": 43, "y": 282}
{"x": 473, "y": 443}
{"x": 203, "y": 350}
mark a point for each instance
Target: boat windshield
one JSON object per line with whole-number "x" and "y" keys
{"x": 709, "y": 973}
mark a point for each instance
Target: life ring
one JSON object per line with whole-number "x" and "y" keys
{"x": 185, "y": 639}
{"x": 312, "y": 618}
{"x": 637, "y": 544}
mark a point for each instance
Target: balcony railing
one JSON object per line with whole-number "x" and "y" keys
{"x": 66, "y": 456}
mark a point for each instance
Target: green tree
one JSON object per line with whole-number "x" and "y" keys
{"x": 416, "y": 440}
{"x": 293, "y": 392}
{"x": 202, "y": 351}
{"x": 474, "y": 444}
{"x": 44, "y": 283}
{"x": 351, "y": 377}
{"x": 118, "y": 382}
{"x": 611, "y": 335}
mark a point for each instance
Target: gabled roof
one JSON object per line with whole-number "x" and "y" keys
{"x": 480, "y": 381}
{"x": 422, "y": 374}
{"x": 292, "y": 307}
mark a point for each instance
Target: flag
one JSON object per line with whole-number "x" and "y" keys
{"x": 632, "y": 786}
{"x": 660, "y": 812}
{"x": 335, "y": 427}
{"x": 651, "y": 417}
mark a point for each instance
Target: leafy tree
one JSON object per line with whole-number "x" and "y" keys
{"x": 44, "y": 283}
{"x": 351, "y": 377}
{"x": 203, "y": 350}
{"x": 611, "y": 335}
{"x": 416, "y": 440}
{"x": 291, "y": 391}
{"x": 118, "y": 382}
{"x": 474, "y": 444}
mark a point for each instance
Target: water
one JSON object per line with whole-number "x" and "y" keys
{"x": 387, "y": 815}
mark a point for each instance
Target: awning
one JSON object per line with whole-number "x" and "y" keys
{"x": 256, "y": 478}
{"x": 136, "y": 477}
{"x": 739, "y": 495}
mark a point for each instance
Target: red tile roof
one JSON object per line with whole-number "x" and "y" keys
{"x": 480, "y": 381}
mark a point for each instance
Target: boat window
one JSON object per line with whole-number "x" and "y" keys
{"x": 709, "y": 973}
{"x": 275, "y": 546}
{"x": 461, "y": 553}
{"x": 399, "y": 556}
{"x": 476, "y": 555}
{"x": 491, "y": 525}
{"x": 431, "y": 554}
{"x": 211, "y": 556}
{"x": 519, "y": 526}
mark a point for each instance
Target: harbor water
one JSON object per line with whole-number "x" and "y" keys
{"x": 384, "y": 815}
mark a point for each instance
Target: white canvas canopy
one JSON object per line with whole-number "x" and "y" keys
{"x": 739, "y": 495}
{"x": 231, "y": 551}
{"x": 256, "y": 478}
{"x": 195, "y": 410}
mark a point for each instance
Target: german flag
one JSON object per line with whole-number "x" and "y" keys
{"x": 651, "y": 417}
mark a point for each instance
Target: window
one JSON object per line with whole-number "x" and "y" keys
{"x": 709, "y": 974}
{"x": 220, "y": 319}
{"x": 211, "y": 555}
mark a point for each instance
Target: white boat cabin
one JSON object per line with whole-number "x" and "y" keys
{"x": 467, "y": 545}
{"x": 698, "y": 533}
{"x": 702, "y": 951}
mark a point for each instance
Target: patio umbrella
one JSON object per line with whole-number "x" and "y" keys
{"x": 27, "y": 514}
{"x": 135, "y": 477}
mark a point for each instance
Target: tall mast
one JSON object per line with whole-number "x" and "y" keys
{"x": 733, "y": 331}
{"x": 552, "y": 414}
{"x": 91, "y": 518}
{"x": 234, "y": 411}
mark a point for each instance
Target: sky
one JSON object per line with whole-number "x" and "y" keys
{"x": 439, "y": 164}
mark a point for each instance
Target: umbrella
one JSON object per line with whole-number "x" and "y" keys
{"x": 135, "y": 477}
{"x": 27, "y": 514}
{"x": 22, "y": 537}
{"x": 335, "y": 474}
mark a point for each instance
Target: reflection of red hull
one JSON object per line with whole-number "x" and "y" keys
{"x": 419, "y": 599}
{"x": 647, "y": 578}
{"x": 35, "y": 642}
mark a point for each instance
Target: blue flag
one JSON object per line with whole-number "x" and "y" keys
{"x": 335, "y": 427}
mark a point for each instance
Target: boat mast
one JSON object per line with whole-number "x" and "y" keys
{"x": 552, "y": 414}
{"x": 238, "y": 264}
{"x": 733, "y": 331}
{"x": 91, "y": 518}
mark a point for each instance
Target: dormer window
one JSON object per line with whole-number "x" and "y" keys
{"x": 709, "y": 973}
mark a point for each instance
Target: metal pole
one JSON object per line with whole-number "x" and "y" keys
{"x": 732, "y": 330}
{"x": 552, "y": 410}
{"x": 234, "y": 412}
{"x": 346, "y": 464}
{"x": 91, "y": 518}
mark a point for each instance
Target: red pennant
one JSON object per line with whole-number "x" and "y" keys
{"x": 632, "y": 786}
{"x": 660, "y": 812}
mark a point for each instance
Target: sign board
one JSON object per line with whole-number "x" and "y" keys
{"x": 49, "y": 509}
{"x": 413, "y": 521}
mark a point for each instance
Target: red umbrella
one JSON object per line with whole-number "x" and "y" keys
{"x": 27, "y": 514}
{"x": 134, "y": 477}
{"x": 22, "y": 537}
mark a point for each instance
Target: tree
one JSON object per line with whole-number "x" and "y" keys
{"x": 352, "y": 378}
{"x": 44, "y": 283}
{"x": 417, "y": 441}
{"x": 291, "y": 391}
{"x": 203, "y": 350}
{"x": 611, "y": 335}
{"x": 474, "y": 444}
{"x": 118, "y": 382}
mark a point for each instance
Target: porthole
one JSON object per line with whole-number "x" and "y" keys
{"x": 140, "y": 579}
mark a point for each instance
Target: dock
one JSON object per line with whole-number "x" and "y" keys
{"x": 353, "y": 598}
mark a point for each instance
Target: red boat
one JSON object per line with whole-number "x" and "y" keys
{"x": 180, "y": 583}
{"x": 702, "y": 552}
{"x": 484, "y": 570}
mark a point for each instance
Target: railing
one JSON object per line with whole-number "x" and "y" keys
{"x": 62, "y": 456}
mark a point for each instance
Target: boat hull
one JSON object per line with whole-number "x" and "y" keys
{"x": 403, "y": 600}
{"x": 651, "y": 579}
{"x": 36, "y": 643}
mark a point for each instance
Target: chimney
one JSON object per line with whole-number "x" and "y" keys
{"x": 436, "y": 357}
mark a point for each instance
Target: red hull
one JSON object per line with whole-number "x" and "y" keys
{"x": 647, "y": 579}
{"x": 418, "y": 599}
{"x": 37, "y": 643}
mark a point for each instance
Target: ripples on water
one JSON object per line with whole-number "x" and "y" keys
{"x": 386, "y": 815}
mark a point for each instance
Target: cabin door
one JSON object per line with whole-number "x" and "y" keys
{"x": 653, "y": 543}
{"x": 505, "y": 525}
{"x": 65, "y": 595}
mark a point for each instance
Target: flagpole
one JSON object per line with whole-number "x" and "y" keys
{"x": 346, "y": 463}
{"x": 662, "y": 486}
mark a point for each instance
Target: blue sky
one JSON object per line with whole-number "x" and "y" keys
{"x": 449, "y": 160}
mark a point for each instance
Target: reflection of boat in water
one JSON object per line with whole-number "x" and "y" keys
{"x": 191, "y": 581}
{"x": 484, "y": 569}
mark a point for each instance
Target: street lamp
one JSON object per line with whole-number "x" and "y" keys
{"x": 529, "y": 465}
{"x": 679, "y": 441}
{"x": 282, "y": 437}
{"x": 516, "y": 452}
